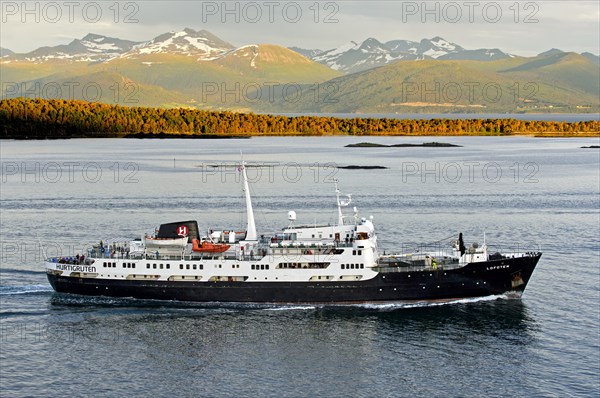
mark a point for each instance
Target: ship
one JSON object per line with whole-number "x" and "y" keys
{"x": 329, "y": 263}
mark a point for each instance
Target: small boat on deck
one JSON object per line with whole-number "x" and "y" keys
{"x": 166, "y": 242}
{"x": 207, "y": 246}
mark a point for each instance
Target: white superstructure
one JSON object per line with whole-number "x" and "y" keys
{"x": 336, "y": 252}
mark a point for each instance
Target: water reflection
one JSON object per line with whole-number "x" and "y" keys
{"x": 214, "y": 324}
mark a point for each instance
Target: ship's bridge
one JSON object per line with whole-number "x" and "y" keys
{"x": 319, "y": 233}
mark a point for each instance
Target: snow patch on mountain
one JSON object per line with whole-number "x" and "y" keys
{"x": 340, "y": 50}
{"x": 354, "y": 57}
{"x": 201, "y": 44}
{"x": 249, "y": 51}
{"x": 91, "y": 48}
{"x": 441, "y": 43}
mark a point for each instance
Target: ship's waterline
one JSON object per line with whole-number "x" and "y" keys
{"x": 335, "y": 263}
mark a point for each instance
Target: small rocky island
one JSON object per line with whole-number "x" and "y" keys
{"x": 356, "y": 167}
{"x": 425, "y": 144}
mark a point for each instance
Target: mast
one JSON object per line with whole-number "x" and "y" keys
{"x": 251, "y": 227}
{"x": 341, "y": 203}
{"x": 337, "y": 195}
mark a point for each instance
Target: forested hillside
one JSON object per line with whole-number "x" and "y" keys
{"x": 37, "y": 118}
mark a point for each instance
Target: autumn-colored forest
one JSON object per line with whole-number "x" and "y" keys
{"x": 22, "y": 118}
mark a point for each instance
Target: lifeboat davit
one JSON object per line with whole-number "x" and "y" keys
{"x": 208, "y": 247}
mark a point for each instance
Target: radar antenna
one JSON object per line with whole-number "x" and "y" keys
{"x": 341, "y": 203}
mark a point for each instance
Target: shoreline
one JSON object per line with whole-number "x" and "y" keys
{"x": 26, "y": 119}
{"x": 245, "y": 136}
{"x": 250, "y": 136}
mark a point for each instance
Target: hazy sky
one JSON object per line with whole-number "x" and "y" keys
{"x": 518, "y": 27}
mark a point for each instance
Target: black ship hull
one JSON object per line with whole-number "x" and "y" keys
{"x": 473, "y": 280}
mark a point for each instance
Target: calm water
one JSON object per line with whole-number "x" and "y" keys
{"x": 58, "y": 197}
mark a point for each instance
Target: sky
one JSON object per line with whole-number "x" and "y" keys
{"x": 518, "y": 27}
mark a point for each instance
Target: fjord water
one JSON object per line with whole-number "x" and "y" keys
{"x": 58, "y": 197}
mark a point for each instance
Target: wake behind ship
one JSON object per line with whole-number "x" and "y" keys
{"x": 338, "y": 263}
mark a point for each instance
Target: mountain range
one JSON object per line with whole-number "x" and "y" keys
{"x": 356, "y": 57}
{"x": 198, "y": 69}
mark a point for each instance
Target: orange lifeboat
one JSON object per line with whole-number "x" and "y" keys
{"x": 208, "y": 247}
